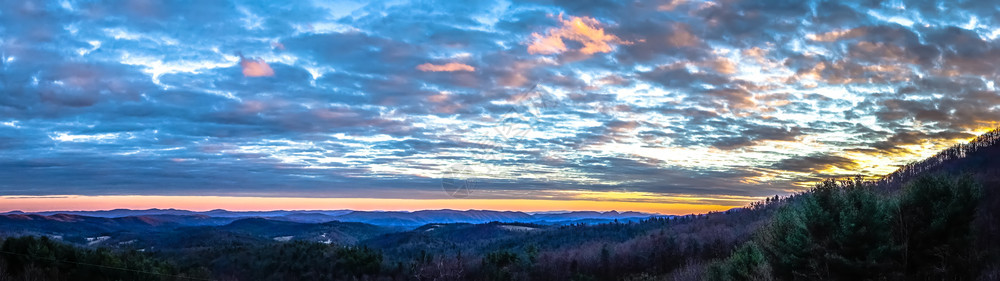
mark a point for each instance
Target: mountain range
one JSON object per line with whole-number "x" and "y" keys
{"x": 382, "y": 218}
{"x": 152, "y": 227}
{"x": 931, "y": 220}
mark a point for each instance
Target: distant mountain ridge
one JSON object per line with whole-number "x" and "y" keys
{"x": 159, "y": 228}
{"x": 559, "y": 245}
{"x": 382, "y": 218}
{"x": 155, "y": 211}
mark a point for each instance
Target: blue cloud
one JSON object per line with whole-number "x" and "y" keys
{"x": 712, "y": 98}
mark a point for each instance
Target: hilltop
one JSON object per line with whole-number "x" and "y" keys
{"x": 931, "y": 220}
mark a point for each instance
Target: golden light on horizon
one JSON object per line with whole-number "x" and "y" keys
{"x": 234, "y": 203}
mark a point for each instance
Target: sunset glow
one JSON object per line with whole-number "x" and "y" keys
{"x": 205, "y": 203}
{"x": 675, "y": 107}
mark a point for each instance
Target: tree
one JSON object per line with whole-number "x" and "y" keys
{"x": 838, "y": 230}
{"x": 499, "y": 265}
{"x": 747, "y": 263}
{"x": 934, "y": 226}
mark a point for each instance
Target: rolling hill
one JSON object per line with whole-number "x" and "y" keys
{"x": 926, "y": 221}
{"x": 394, "y": 218}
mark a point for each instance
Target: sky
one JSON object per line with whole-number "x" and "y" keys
{"x": 671, "y": 106}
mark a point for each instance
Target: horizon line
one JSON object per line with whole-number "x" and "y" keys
{"x": 194, "y": 203}
{"x": 329, "y": 210}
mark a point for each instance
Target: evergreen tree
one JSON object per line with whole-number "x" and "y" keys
{"x": 837, "y": 231}
{"x": 935, "y": 228}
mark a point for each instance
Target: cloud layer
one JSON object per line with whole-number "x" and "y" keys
{"x": 542, "y": 99}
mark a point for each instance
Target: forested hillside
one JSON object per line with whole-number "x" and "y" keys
{"x": 932, "y": 220}
{"x": 850, "y": 230}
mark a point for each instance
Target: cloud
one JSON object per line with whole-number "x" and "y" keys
{"x": 664, "y": 96}
{"x": 583, "y": 30}
{"x": 752, "y": 134}
{"x": 448, "y": 67}
{"x": 721, "y": 65}
{"x": 670, "y": 5}
{"x": 837, "y": 35}
{"x": 255, "y": 67}
{"x": 681, "y": 37}
{"x": 678, "y": 75}
{"x": 815, "y": 163}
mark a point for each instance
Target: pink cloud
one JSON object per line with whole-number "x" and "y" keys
{"x": 449, "y": 67}
{"x": 441, "y": 97}
{"x": 255, "y": 67}
{"x": 278, "y": 45}
{"x": 670, "y": 6}
{"x": 585, "y": 30}
{"x": 682, "y": 37}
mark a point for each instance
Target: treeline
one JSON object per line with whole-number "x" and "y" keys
{"x": 851, "y": 230}
{"x": 934, "y": 228}
{"x": 30, "y": 258}
{"x": 984, "y": 147}
{"x": 460, "y": 252}
{"x": 296, "y": 260}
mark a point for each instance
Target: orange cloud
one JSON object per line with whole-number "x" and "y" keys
{"x": 585, "y": 30}
{"x": 255, "y": 67}
{"x": 721, "y": 65}
{"x": 837, "y": 35}
{"x": 756, "y": 53}
{"x": 449, "y": 67}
